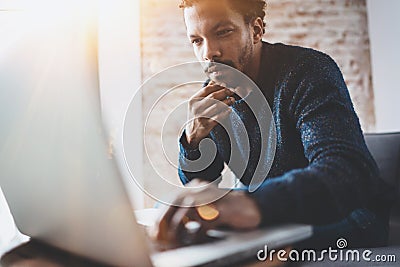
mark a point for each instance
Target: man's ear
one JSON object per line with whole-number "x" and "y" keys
{"x": 258, "y": 30}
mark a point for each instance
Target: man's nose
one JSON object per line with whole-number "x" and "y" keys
{"x": 211, "y": 51}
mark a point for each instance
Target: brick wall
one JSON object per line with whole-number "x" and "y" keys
{"x": 338, "y": 28}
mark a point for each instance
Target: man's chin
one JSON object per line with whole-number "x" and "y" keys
{"x": 220, "y": 80}
{"x": 228, "y": 80}
{"x": 218, "y": 76}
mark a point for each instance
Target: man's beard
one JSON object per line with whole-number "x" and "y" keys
{"x": 215, "y": 64}
{"x": 245, "y": 57}
{"x": 230, "y": 78}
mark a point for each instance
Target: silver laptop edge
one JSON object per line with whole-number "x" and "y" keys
{"x": 61, "y": 184}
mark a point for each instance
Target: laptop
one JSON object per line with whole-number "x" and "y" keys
{"x": 61, "y": 184}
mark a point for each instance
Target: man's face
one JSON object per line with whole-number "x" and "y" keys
{"x": 219, "y": 34}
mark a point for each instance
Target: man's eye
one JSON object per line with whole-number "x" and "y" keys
{"x": 196, "y": 41}
{"x": 224, "y": 32}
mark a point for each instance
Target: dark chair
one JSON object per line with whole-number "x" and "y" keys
{"x": 385, "y": 148}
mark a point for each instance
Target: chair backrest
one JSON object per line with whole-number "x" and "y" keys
{"x": 385, "y": 148}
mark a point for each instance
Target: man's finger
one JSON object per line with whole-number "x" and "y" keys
{"x": 218, "y": 107}
{"x": 178, "y": 221}
{"x": 165, "y": 219}
{"x": 204, "y": 92}
{"x": 200, "y": 104}
{"x": 164, "y": 224}
{"x": 221, "y": 94}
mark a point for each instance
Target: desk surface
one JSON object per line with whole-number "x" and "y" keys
{"x": 37, "y": 254}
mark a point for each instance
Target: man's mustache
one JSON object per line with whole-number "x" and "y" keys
{"x": 211, "y": 66}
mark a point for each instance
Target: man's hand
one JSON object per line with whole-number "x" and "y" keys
{"x": 206, "y": 108}
{"x": 236, "y": 210}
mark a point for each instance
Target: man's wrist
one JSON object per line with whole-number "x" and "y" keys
{"x": 187, "y": 151}
{"x": 192, "y": 142}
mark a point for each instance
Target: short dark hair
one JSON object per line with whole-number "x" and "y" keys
{"x": 250, "y": 9}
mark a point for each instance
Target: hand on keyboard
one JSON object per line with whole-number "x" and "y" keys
{"x": 186, "y": 222}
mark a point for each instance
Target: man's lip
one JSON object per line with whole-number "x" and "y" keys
{"x": 215, "y": 72}
{"x": 214, "y": 69}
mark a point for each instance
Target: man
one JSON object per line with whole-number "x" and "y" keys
{"x": 322, "y": 173}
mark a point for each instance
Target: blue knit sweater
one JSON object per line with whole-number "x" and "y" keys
{"x": 322, "y": 169}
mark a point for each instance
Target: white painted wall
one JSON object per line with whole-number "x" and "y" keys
{"x": 384, "y": 30}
